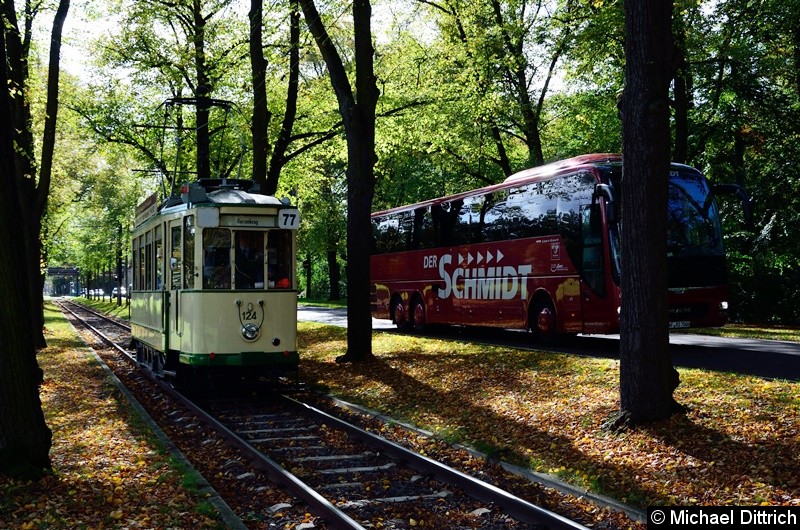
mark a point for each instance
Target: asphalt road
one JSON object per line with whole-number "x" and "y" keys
{"x": 764, "y": 358}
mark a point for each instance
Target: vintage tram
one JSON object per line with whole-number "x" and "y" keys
{"x": 214, "y": 283}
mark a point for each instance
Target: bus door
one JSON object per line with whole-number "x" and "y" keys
{"x": 441, "y": 297}
{"x": 442, "y": 264}
{"x": 596, "y": 300}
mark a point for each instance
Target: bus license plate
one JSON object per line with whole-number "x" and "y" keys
{"x": 679, "y": 324}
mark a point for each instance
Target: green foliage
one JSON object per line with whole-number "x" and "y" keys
{"x": 451, "y": 109}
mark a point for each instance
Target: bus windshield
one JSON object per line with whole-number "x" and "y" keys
{"x": 695, "y": 252}
{"x": 694, "y": 227}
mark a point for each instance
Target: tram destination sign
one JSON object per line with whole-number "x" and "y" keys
{"x": 251, "y": 221}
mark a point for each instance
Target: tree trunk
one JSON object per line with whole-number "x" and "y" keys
{"x": 278, "y": 158}
{"x": 333, "y": 275}
{"x": 681, "y": 98}
{"x": 25, "y": 438}
{"x": 261, "y": 114}
{"x": 647, "y": 378}
{"x": 359, "y": 124}
{"x": 202, "y": 92}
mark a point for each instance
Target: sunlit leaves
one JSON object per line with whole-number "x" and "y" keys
{"x": 737, "y": 444}
{"x": 106, "y": 474}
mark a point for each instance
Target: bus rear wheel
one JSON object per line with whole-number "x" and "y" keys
{"x": 543, "y": 321}
{"x": 418, "y": 315}
{"x": 399, "y": 315}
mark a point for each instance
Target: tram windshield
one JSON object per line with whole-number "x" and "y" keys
{"x": 252, "y": 254}
{"x": 249, "y": 259}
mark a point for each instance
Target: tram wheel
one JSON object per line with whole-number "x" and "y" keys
{"x": 543, "y": 321}
{"x": 418, "y": 321}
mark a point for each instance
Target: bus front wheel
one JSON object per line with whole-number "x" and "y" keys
{"x": 543, "y": 321}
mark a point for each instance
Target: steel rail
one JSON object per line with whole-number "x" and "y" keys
{"x": 335, "y": 517}
{"x": 514, "y": 506}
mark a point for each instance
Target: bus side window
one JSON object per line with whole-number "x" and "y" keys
{"x": 445, "y": 219}
{"x": 591, "y": 266}
{"x": 422, "y": 231}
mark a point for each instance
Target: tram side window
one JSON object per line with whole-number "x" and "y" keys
{"x": 216, "y": 258}
{"x": 249, "y": 272}
{"x": 188, "y": 252}
{"x": 159, "y": 260}
{"x": 175, "y": 257}
{"x": 139, "y": 252}
{"x": 279, "y": 259}
{"x": 148, "y": 262}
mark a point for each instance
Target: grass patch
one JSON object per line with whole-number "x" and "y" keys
{"x": 322, "y": 302}
{"x": 121, "y": 312}
{"x": 750, "y": 331}
{"x": 737, "y": 445}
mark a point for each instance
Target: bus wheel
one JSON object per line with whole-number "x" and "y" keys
{"x": 543, "y": 321}
{"x": 399, "y": 314}
{"x": 418, "y": 315}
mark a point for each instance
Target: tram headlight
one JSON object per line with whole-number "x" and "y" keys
{"x": 250, "y": 332}
{"x": 723, "y": 306}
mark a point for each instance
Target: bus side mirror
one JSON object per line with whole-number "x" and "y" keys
{"x": 737, "y": 191}
{"x": 605, "y": 191}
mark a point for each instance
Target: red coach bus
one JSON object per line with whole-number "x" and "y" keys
{"x": 541, "y": 252}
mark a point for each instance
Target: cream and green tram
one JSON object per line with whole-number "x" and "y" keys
{"x": 214, "y": 285}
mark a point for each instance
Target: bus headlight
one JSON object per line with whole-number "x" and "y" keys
{"x": 723, "y": 306}
{"x": 250, "y": 332}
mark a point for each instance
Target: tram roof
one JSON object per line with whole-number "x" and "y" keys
{"x": 196, "y": 194}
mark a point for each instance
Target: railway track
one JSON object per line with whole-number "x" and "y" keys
{"x": 346, "y": 476}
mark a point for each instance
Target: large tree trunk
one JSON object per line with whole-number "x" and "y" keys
{"x": 24, "y": 437}
{"x": 681, "y": 98}
{"x": 202, "y": 93}
{"x": 647, "y": 378}
{"x": 358, "y": 117}
{"x": 32, "y": 196}
{"x": 16, "y": 51}
{"x": 261, "y": 115}
{"x": 278, "y": 158}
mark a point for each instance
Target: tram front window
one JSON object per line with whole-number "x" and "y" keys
{"x": 249, "y": 273}
{"x": 279, "y": 259}
{"x": 216, "y": 258}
